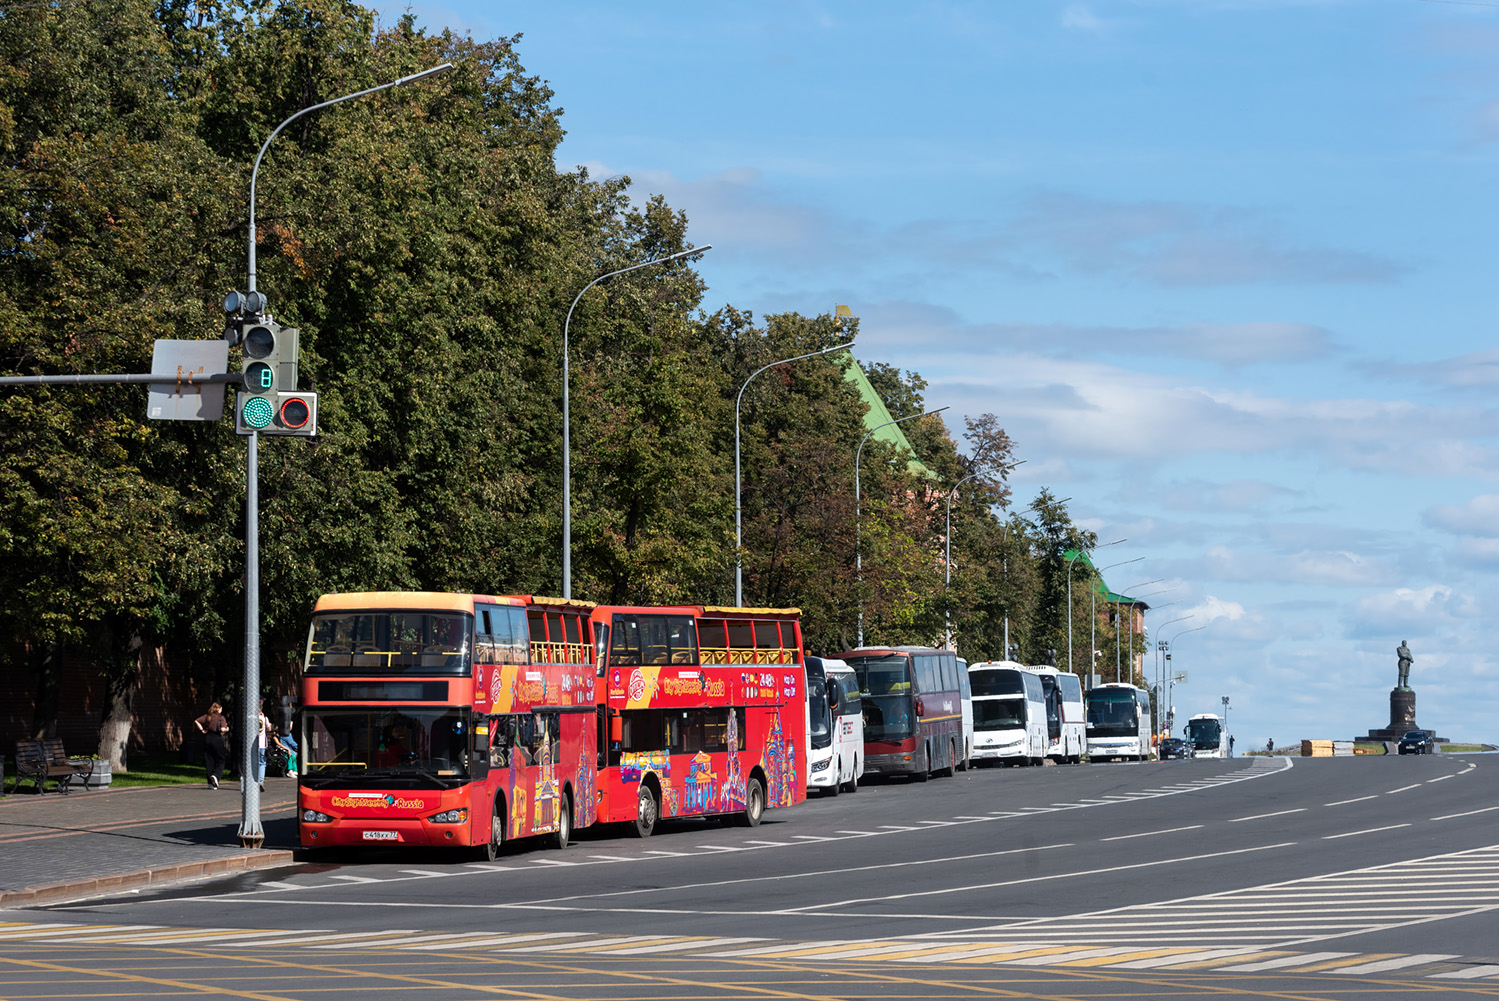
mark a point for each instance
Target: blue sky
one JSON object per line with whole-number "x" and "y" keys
{"x": 1222, "y": 269}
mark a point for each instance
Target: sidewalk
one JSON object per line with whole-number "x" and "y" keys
{"x": 58, "y": 847}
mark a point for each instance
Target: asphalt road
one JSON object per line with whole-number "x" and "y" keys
{"x": 1242, "y": 877}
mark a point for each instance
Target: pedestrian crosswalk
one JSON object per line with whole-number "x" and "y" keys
{"x": 749, "y": 950}
{"x": 1285, "y": 914}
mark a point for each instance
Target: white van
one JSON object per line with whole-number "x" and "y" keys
{"x": 1009, "y": 714}
{"x": 835, "y": 727}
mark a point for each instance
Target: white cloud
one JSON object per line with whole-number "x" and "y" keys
{"x": 1079, "y": 18}
{"x": 1478, "y": 517}
{"x": 1416, "y": 611}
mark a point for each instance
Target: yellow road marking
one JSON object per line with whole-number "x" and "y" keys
{"x": 1126, "y": 957}
{"x": 1333, "y": 964}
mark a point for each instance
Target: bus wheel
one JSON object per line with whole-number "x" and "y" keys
{"x": 646, "y": 813}
{"x": 754, "y": 804}
{"x": 491, "y": 851}
{"x": 837, "y": 786}
{"x": 853, "y": 780}
{"x": 564, "y": 830}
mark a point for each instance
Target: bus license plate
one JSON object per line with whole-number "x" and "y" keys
{"x": 380, "y": 836}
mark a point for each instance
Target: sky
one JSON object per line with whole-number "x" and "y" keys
{"x": 1222, "y": 269}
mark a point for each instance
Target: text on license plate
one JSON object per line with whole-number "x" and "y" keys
{"x": 380, "y": 836}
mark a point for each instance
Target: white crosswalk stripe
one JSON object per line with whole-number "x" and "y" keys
{"x": 1281, "y": 915}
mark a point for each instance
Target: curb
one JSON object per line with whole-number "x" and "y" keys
{"x": 55, "y": 892}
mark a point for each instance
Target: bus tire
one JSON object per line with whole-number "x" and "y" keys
{"x": 951, "y": 768}
{"x": 491, "y": 851}
{"x": 564, "y": 831}
{"x": 754, "y": 803}
{"x": 853, "y": 780}
{"x": 923, "y": 767}
{"x": 647, "y": 812}
{"x": 836, "y": 787}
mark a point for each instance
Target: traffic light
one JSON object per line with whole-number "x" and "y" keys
{"x": 293, "y": 413}
{"x": 269, "y": 371}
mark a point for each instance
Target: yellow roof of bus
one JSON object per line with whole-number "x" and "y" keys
{"x": 426, "y": 600}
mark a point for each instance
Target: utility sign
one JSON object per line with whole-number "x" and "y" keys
{"x": 182, "y": 395}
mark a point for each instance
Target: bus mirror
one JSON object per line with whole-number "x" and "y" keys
{"x": 616, "y": 729}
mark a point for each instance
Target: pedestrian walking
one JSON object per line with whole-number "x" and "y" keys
{"x": 262, "y": 740}
{"x": 214, "y": 726}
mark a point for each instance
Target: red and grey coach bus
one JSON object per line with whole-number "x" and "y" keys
{"x": 447, "y": 719}
{"x": 701, "y": 714}
{"x": 913, "y": 714}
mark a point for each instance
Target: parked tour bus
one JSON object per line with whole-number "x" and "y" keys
{"x": 913, "y": 715}
{"x": 702, "y": 714}
{"x": 446, "y": 719}
{"x": 835, "y": 727}
{"x": 1118, "y": 722}
{"x": 1206, "y": 737}
{"x": 965, "y": 698}
{"x": 1066, "y": 726}
{"x": 1009, "y": 714}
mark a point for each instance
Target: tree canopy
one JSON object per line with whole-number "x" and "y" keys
{"x": 428, "y": 248}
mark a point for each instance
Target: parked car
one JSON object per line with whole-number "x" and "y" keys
{"x": 1417, "y": 742}
{"x": 1174, "y": 747}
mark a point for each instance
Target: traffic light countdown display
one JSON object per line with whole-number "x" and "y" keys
{"x": 270, "y": 403}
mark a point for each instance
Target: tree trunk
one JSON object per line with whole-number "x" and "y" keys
{"x": 122, "y": 673}
{"x": 48, "y": 693}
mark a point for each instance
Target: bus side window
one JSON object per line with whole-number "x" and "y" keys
{"x": 601, "y": 645}
{"x": 624, "y": 650}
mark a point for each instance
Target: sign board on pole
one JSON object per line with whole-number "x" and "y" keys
{"x": 179, "y": 397}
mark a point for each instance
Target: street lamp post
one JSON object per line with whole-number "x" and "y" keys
{"x": 1093, "y": 622}
{"x": 567, "y": 465}
{"x": 1168, "y": 676}
{"x": 947, "y": 583}
{"x": 1118, "y": 666}
{"x": 1004, "y": 569}
{"x": 1163, "y": 648}
{"x": 738, "y": 535}
{"x": 251, "y": 834}
{"x": 858, "y": 524}
{"x": 1070, "y": 564}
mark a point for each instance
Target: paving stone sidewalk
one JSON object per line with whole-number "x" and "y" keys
{"x": 57, "y": 847}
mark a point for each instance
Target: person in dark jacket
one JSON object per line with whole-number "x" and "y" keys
{"x": 214, "y": 726}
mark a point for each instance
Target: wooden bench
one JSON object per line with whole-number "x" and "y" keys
{"x": 44, "y": 761}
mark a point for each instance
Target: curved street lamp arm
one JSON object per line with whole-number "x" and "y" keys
{"x": 738, "y": 535}
{"x": 255, "y": 172}
{"x": 567, "y": 463}
{"x": 858, "y": 525}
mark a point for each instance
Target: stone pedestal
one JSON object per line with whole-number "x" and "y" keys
{"x": 1402, "y": 715}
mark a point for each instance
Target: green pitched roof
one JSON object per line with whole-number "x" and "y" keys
{"x": 878, "y": 414}
{"x": 1104, "y": 591}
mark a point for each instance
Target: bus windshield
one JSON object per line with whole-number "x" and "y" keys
{"x": 389, "y": 642}
{"x": 1204, "y": 733}
{"x": 819, "y": 729}
{"x": 886, "y": 682}
{"x": 1112, "y": 713}
{"x": 1002, "y": 681}
{"x": 998, "y": 714}
{"x": 413, "y": 747}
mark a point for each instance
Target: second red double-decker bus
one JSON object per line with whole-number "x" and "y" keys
{"x": 447, "y": 719}
{"x": 702, "y": 713}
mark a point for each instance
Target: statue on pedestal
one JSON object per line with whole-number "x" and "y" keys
{"x": 1403, "y": 652}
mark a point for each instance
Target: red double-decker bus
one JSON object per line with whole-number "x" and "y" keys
{"x": 447, "y": 719}
{"x": 702, "y": 713}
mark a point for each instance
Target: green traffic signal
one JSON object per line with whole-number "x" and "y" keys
{"x": 257, "y": 412}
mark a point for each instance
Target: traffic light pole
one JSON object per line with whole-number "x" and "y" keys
{"x": 251, "y": 834}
